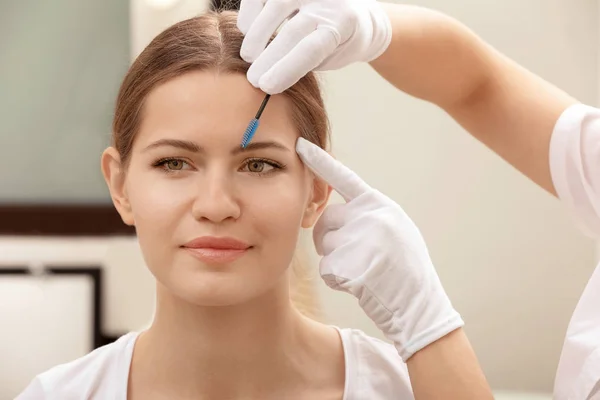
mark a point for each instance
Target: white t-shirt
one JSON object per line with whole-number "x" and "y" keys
{"x": 374, "y": 370}
{"x": 575, "y": 168}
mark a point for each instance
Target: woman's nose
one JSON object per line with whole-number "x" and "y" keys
{"x": 216, "y": 200}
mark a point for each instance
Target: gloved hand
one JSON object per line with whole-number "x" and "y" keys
{"x": 320, "y": 35}
{"x": 373, "y": 250}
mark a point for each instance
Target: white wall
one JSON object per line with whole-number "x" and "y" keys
{"x": 150, "y": 17}
{"x": 509, "y": 257}
{"x": 48, "y": 305}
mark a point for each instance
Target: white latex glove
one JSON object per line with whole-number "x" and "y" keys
{"x": 320, "y": 35}
{"x": 373, "y": 250}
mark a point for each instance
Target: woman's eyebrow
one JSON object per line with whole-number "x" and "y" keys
{"x": 180, "y": 144}
{"x": 259, "y": 146}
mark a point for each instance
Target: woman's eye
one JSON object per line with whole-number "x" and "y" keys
{"x": 174, "y": 165}
{"x": 171, "y": 164}
{"x": 257, "y": 166}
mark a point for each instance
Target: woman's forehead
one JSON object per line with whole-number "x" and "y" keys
{"x": 208, "y": 103}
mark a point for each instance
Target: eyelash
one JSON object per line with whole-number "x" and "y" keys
{"x": 162, "y": 164}
{"x": 276, "y": 166}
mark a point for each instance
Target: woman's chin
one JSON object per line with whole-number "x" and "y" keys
{"x": 216, "y": 291}
{"x": 229, "y": 285}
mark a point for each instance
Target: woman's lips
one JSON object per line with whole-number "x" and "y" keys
{"x": 216, "y": 256}
{"x": 216, "y": 250}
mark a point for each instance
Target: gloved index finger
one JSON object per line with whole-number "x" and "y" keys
{"x": 341, "y": 178}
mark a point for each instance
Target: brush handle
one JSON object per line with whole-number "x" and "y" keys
{"x": 262, "y": 106}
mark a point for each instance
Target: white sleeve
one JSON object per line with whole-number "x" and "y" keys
{"x": 34, "y": 391}
{"x": 575, "y": 164}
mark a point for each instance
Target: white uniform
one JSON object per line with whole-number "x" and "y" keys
{"x": 575, "y": 168}
{"x": 374, "y": 370}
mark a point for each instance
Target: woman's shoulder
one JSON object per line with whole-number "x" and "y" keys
{"x": 373, "y": 367}
{"x": 100, "y": 371}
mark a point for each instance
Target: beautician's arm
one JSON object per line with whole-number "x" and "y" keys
{"x": 509, "y": 109}
{"x": 448, "y": 369}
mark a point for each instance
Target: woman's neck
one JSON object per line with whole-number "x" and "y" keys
{"x": 243, "y": 351}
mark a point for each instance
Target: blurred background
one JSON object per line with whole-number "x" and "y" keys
{"x": 71, "y": 274}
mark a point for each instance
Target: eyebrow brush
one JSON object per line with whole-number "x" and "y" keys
{"x": 253, "y": 125}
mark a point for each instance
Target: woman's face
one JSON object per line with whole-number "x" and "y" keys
{"x": 189, "y": 179}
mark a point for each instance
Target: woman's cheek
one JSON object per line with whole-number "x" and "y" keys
{"x": 277, "y": 202}
{"x": 154, "y": 194}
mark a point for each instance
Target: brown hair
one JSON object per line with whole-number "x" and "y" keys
{"x": 212, "y": 41}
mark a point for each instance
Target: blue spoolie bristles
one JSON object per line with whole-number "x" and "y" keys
{"x": 249, "y": 133}
{"x": 253, "y": 125}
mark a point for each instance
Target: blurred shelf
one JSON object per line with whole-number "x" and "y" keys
{"x": 62, "y": 220}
